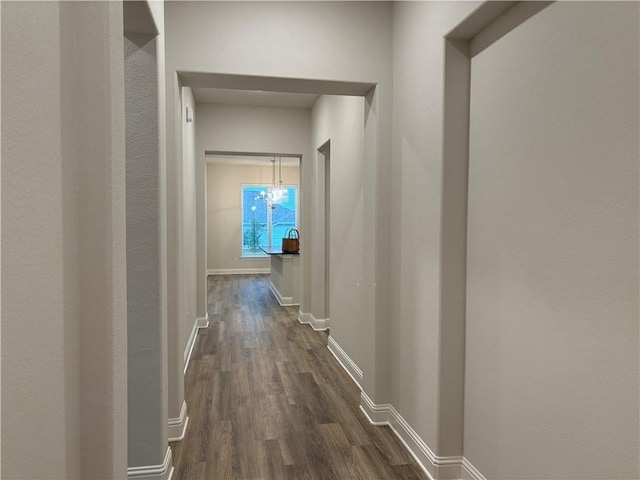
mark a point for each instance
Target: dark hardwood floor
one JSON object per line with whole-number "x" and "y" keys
{"x": 267, "y": 400}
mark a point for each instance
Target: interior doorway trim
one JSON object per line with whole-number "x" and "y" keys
{"x": 487, "y": 24}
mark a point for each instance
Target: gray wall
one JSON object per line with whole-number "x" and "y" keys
{"x": 147, "y": 350}
{"x": 340, "y": 120}
{"x": 146, "y": 223}
{"x": 186, "y": 237}
{"x": 552, "y": 287}
{"x": 417, "y": 176}
{"x": 188, "y": 264}
{"x": 554, "y": 200}
{"x": 64, "y": 398}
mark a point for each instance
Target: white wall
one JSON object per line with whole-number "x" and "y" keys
{"x": 340, "y": 120}
{"x": 224, "y": 212}
{"x": 64, "y": 399}
{"x": 552, "y": 296}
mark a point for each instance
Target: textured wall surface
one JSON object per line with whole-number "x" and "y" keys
{"x": 146, "y": 347}
{"x": 340, "y": 120}
{"x": 417, "y": 176}
{"x": 64, "y": 397}
{"x": 32, "y": 248}
{"x": 552, "y": 310}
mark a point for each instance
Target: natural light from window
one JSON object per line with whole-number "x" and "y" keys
{"x": 263, "y": 225}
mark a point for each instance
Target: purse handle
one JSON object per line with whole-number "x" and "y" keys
{"x": 292, "y": 231}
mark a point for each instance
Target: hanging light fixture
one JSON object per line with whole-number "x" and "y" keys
{"x": 277, "y": 193}
{"x": 272, "y": 192}
{"x": 283, "y": 192}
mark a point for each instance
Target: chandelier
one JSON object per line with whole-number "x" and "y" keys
{"x": 277, "y": 193}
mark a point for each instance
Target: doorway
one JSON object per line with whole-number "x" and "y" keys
{"x": 350, "y": 182}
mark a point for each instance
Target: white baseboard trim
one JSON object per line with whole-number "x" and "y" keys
{"x": 376, "y": 414}
{"x": 178, "y": 426}
{"x": 238, "y": 271}
{"x": 283, "y": 301}
{"x": 469, "y": 472}
{"x": 436, "y": 467}
{"x": 345, "y": 360}
{"x": 317, "y": 324}
{"x": 163, "y": 471}
{"x": 197, "y": 325}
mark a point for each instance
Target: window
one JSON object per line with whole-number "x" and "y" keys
{"x": 262, "y": 225}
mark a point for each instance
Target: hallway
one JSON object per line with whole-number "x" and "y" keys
{"x": 267, "y": 400}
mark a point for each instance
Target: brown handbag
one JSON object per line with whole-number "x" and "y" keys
{"x": 291, "y": 243}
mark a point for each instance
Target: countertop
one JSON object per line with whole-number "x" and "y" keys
{"x": 276, "y": 250}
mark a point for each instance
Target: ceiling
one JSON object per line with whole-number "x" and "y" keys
{"x": 254, "y": 98}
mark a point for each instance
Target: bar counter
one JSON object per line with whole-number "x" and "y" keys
{"x": 285, "y": 275}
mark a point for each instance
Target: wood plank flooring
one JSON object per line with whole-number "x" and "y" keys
{"x": 267, "y": 400}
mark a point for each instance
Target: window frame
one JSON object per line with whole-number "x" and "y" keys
{"x": 243, "y": 255}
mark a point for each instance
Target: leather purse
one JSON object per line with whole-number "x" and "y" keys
{"x": 291, "y": 243}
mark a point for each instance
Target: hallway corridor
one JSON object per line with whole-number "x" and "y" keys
{"x": 267, "y": 400}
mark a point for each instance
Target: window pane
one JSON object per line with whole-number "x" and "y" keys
{"x": 261, "y": 225}
{"x": 254, "y": 220}
{"x": 284, "y": 217}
